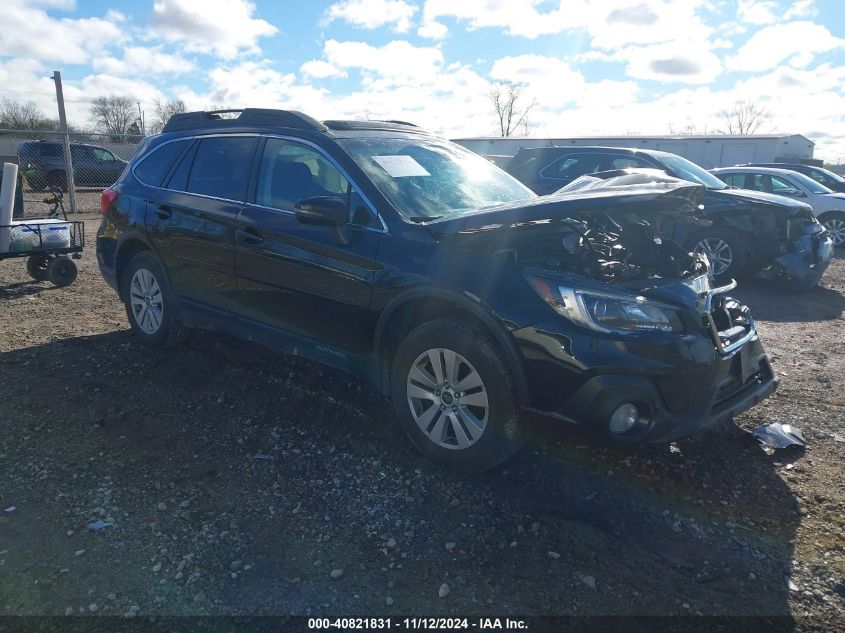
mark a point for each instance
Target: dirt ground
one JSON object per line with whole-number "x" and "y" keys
{"x": 242, "y": 481}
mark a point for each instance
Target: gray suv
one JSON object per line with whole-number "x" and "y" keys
{"x": 43, "y": 165}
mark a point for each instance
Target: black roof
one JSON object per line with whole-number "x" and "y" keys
{"x": 264, "y": 117}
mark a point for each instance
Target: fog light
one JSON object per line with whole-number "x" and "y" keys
{"x": 624, "y": 418}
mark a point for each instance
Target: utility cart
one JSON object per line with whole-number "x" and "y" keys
{"x": 50, "y": 245}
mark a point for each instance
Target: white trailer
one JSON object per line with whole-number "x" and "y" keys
{"x": 709, "y": 151}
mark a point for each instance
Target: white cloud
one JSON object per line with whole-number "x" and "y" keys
{"x": 225, "y": 28}
{"x": 319, "y": 69}
{"x": 145, "y": 61}
{"x": 28, "y": 31}
{"x": 517, "y": 17}
{"x": 433, "y": 30}
{"x": 371, "y": 14}
{"x": 689, "y": 62}
{"x": 796, "y": 42}
{"x": 757, "y": 11}
{"x": 398, "y": 60}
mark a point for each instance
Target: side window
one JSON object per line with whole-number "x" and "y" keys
{"x": 819, "y": 177}
{"x": 154, "y": 166}
{"x": 758, "y": 182}
{"x": 624, "y": 162}
{"x": 782, "y": 187}
{"x": 572, "y": 166}
{"x": 291, "y": 171}
{"x": 52, "y": 150}
{"x": 221, "y": 167}
{"x": 734, "y": 180}
{"x": 102, "y": 155}
{"x": 178, "y": 180}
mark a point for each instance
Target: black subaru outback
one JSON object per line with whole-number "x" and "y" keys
{"x": 381, "y": 249}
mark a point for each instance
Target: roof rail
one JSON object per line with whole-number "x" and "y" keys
{"x": 248, "y": 116}
{"x": 371, "y": 125}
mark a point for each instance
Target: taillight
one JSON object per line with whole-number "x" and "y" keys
{"x": 107, "y": 199}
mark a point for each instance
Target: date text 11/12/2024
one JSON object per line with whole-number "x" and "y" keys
{"x": 417, "y": 624}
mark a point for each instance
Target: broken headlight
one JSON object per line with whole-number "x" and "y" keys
{"x": 608, "y": 312}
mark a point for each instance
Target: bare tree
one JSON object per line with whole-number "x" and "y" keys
{"x": 744, "y": 117}
{"x": 114, "y": 115}
{"x": 509, "y": 104}
{"x": 688, "y": 129}
{"x": 163, "y": 111}
{"x": 23, "y": 116}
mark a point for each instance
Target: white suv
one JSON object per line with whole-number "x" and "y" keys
{"x": 828, "y": 206}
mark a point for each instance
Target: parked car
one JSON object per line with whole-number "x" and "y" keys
{"x": 476, "y": 306}
{"x": 829, "y": 179}
{"x": 43, "y": 165}
{"x": 828, "y": 205}
{"x": 744, "y": 231}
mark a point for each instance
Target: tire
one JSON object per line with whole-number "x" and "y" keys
{"x": 455, "y": 429}
{"x": 57, "y": 179}
{"x": 834, "y": 222}
{"x": 36, "y": 267}
{"x": 61, "y": 271}
{"x": 144, "y": 285}
{"x": 725, "y": 251}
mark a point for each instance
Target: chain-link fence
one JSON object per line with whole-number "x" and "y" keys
{"x": 97, "y": 160}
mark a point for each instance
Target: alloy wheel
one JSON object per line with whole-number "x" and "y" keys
{"x": 448, "y": 399}
{"x": 146, "y": 301}
{"x": 836, "y": 228}
{"x": 719, "y": 253}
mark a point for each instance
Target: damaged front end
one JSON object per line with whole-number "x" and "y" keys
{"x": 639, "y": 345}
{"x": 808, "y": 255}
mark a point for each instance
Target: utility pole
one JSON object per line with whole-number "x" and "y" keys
{"x": 69, "y": 177}
{"x": 141, "y": 119}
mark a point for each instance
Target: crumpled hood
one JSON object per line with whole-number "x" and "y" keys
{"x": 653, "y": 202}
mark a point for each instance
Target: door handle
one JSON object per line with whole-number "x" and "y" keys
{"x": 251, "y": 236}
{"x": 163, "y": 212}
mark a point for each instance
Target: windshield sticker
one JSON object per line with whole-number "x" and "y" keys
{"x": 400, "y": 166}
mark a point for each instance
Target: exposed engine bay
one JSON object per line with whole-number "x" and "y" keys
{"x": 606, "y": 247}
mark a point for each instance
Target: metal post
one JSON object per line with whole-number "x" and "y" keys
{"x": 69, "y": 177}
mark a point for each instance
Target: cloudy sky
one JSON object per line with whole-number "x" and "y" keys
{"x": 594, "y": 67}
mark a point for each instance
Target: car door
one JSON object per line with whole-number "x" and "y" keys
{"x": 191, "y": 220}
{"x": 309, "y": 280}
{"x": 83, "y": 173}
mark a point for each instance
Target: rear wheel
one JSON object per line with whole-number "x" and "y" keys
{"x": 726, "y": 254}
{"x": 57, "y": 179}
{"x": 150, "y": 304}
{"x": 36, "y": 267}
{"x": 834, "y": 222}
{"x": 453, "y": 395}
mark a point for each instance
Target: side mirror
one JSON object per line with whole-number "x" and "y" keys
{"x": 326, "y": 210}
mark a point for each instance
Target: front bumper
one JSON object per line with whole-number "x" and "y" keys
{"x": 680, "y": 385}
{"x": 805, "y": 265}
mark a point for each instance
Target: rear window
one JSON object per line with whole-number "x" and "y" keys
{"x": 221, "y": 167}
{"x": 154, "y": 166}
{"x": 51, "y": 150}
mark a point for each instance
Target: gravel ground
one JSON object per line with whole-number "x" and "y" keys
{"x": 241, "y": 481}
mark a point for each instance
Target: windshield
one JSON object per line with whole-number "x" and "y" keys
{"x": 688, "y": 170}
{"x": 427, "y": 178}
{"x": 809, "y": 184}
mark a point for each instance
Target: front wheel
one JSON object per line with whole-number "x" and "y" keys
{"x": 726, "y": 255}
{"x": 453, "y": 395}
{"x": 150, "y": 305}
{"x": 834, "y": 222}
